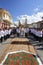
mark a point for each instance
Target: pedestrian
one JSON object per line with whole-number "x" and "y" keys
{"x": 22, "y": 32}
{"x": 18, "y": 31}
{"x": 2, "y": 35}
{"x": 25, "y": 30}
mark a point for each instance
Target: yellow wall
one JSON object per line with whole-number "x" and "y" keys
{"x": 2, "y": 12}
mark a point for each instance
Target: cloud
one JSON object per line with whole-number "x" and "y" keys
{"x": 30, "y": 19}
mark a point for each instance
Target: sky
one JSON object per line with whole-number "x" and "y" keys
{"x": 33, "y": 9}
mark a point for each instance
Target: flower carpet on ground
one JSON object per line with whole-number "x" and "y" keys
{"x": 21, "y": 58}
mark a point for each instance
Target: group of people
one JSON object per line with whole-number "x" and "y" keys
{"x": 38, "y": 34}
{"x": 21, "y": 31}
{"x": 4, "y": 34}
{"x": 25, "y": 32}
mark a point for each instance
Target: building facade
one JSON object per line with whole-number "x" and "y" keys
{"x": 5, "y": 18}
{"x": 38, "y": 24}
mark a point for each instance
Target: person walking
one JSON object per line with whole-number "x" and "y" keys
{"x": 25, "y": 31}
{"x": 18, "y": 31}
{"x": 2, "y": 35}
{"x": 22, "y": 32}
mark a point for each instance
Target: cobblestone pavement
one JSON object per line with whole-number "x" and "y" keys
{"x": 3, "y": 45}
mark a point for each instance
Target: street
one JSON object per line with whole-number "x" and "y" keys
{"x": 6, "y": 47}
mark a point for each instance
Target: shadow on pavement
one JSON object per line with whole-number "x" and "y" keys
{"x": 39, "y": 48}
